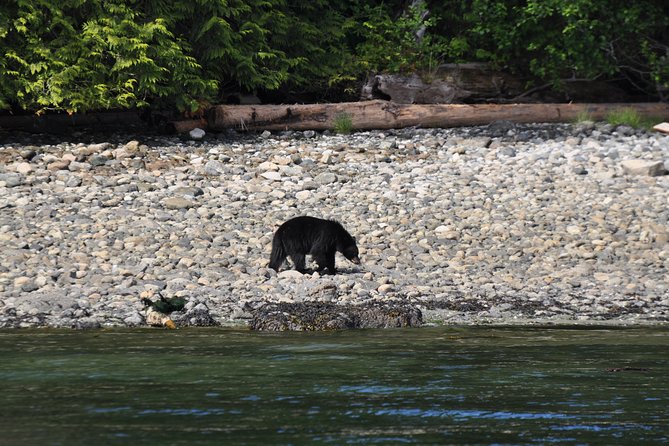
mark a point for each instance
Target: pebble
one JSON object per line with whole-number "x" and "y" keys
{"x": 542, "y": 223}
{"x": 178, "y": 203}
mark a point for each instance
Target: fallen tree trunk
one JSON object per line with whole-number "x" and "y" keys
{"x": 385, "y": 115}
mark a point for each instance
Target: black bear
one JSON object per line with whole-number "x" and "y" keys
{"x": 320, "y": 238}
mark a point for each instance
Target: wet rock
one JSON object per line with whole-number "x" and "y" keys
{"x": 198, "y": 316}
{"x": 157, "y": 319}
{"x": 318, "y": 316}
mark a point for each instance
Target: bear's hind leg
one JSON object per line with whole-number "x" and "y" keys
{"x": 299, "y": 261}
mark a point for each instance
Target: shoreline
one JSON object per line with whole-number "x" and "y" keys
{"x": 503, "y": 224}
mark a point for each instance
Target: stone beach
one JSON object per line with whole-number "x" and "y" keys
{"x": 498, "y": 224}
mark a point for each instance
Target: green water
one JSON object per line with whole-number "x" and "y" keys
{"x": 418, "y": 386}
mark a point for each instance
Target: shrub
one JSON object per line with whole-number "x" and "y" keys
{"x": 75, "y": 55}
{"x": 343, "y": 123}
{"x": 583, "y": 116}
{"x": 100, "y": 54}
{"x": 632, "y": 118}
{"x": 559, "y": 40}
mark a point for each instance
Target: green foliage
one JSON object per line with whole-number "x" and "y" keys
{"x": 555, "y": 40}
{"x": 343, "y": 123}
{"x": 389, "y": 44}
{"x": 77, "y": 55}
{"x": 583, "y": 116}
{"x": 630, "y": 117}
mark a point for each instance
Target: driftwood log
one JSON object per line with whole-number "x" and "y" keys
{"x": 385, "y": 115}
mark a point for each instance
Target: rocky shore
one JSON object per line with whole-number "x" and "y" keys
{"x": 499, "y": 224}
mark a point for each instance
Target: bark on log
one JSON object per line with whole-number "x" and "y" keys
{"x": 385, "y": 115}
{"x": 188, "y": 125}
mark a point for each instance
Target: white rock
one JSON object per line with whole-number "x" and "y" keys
{"x": 573, "y": 230}
{"x": 271, "y": 175}
{"x": 662, "y": 127}
{"x": 23, "y": 168}
{"x": 644, "y": 167}
{"x": 303, "y": 195}
{"x": 121, "y": 153}
{"x": 386, "y": 288}
{"x": 268, "y": 166}
{"x": 290, "y": 274}
{"x": 196, "y": 134}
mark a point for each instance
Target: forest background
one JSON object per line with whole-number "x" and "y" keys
{"x": 84, "y": 55}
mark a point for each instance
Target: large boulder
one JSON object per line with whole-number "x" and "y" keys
{"x": 314, "y": 316}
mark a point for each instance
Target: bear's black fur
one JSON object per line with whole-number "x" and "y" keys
{"x": 309, "y": 235}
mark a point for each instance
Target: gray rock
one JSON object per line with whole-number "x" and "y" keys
{"x": 98, "y": 160}
{"x": 75, "y": 166}
{"x": 189, "y": 191}
{"x": 134, "y": 320}
{"x": 643, "y": 167}
{"x": 213, "y": 167}
{"x": 28, "y": 153}
{"x": 178, "y": 203}
{"x": 73, "y": 181}
{"x": 325, "y": 178}
{"x": 11, "y": 179}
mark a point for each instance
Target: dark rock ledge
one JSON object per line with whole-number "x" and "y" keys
{"x": 315, "y": 316}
